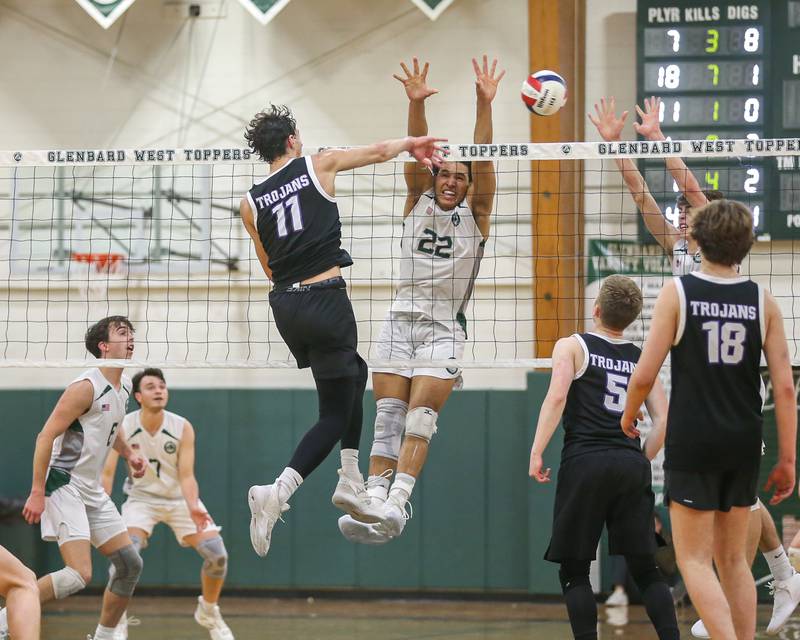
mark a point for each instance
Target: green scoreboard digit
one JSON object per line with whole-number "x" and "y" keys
{"x": 726, "y": 70}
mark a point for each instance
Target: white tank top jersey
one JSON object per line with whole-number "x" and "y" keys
{"x": 440, "y": 257}
{"x": 160, "y": 481}
{"x": 79, "y": 454}
{"x": 683, "y": 262}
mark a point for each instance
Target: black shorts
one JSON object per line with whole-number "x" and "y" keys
{"x": 318, "y": 325}
{"x": 711, "y": 490}
{"x": 611, "y": 488}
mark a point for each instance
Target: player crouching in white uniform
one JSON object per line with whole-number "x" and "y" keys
{"x": 446, "y": 224}
{"x": 168, "y": 492}
{"x": 66, "y": 493}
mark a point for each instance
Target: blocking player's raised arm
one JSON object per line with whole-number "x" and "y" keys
{"x": 418, "y": 177}
{"x": 776, "y": 352}
{"x": 650, "y": 128}
{"x": 567, "y": 359}
{"x": 609, "y": 126}
{"x": 248, "y": 220}
{"x": 484, "y": 184}
{"x": 662, "y": 332}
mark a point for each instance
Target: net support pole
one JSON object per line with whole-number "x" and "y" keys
{"x": 556, "y": 41}
{"x": 155, "y": 228}
{"x": 61, "y": 253}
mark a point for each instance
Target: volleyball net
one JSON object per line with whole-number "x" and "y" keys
{"x": 155, "y": 235}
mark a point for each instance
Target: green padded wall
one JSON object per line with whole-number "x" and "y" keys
{"x": 480, "y": 524}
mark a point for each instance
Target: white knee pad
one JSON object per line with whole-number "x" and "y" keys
{"x": 216, "y": 557}
{"x": 390, "y": 420}
{"x": 421, "y": 422}
{"x": 66, "y": 582}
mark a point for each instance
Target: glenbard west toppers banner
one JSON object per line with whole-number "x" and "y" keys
{"x": 266, "y": 10}
{"x": 105, "y": 11}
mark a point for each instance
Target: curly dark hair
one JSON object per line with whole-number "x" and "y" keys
{"x": 724, "y": 231}
{"x": 98, "y": 332}
{"x": 150, "y": 371}
{"x": 268, "y": 131}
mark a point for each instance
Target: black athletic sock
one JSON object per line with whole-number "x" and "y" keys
{"x": 335, "y": 409}
{"x": 655, "y": 595}
{"x": 352, "y": 436}
{"x": 578, "y": 595}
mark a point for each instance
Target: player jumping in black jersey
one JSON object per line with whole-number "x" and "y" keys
{"x": 716, "y": 323}
{"x": 292, "y": 217}
{"x": 604, "y": 477}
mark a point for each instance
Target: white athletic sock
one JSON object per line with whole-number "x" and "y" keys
{"x": 350, "y": 463}
{"x": 379, "y": 487}
{"x": 779, "y": 564}
{"x": 287, "y": 483}
{"x": 104, "y": 633}
{"x": 208, "y": 607}
{"x": 402, "y": 487}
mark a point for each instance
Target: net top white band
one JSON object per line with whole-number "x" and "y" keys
{"x": 457, "y": 151}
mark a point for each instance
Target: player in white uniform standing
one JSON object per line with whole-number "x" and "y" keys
{"x": 168, "y": 492}
{"x": 446, "y": 224}
{"x": 685, "y": 258}
{"x": 66, "y": 493}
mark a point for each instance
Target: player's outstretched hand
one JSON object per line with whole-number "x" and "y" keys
{"x": 535, "y": 469}
{"x": 416, "y": 81}
{"x": 650, "y": 127}
{"x": 34, "y": 507}
{"x": 609, "y": 126}
{"x": 485, "y": 79}
{"x": 137, "y": 464}
{"x": 427, "y": 151}
{"x": 782, "y": 479}
{"x": 200, "y": 517}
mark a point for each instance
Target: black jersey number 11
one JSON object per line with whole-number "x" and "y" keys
{"x": 293, "y": 204}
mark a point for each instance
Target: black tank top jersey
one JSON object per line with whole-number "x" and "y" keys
{"x": 715, "y": 420}
{"x": 298, "y": 223}
{"x": 596, "y": 397}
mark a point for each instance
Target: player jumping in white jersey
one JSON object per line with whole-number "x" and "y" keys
{"x": 676, "y": 241}
{"x": 446, "y": 224}
{"x": 168, "y": 492}
{"x": 66, "y": 493}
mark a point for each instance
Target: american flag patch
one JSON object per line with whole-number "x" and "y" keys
{"x": 134, "y": 446}
{"x": 105, "y": 407}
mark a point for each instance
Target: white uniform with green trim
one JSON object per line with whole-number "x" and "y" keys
{"x": 157, "y": 496}
{"x": 76, "y": 507}
{"x": 160, "y": 481}
{"x": 440, "y": 256}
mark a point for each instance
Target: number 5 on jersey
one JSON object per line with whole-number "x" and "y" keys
{"x": 616, "y": 392}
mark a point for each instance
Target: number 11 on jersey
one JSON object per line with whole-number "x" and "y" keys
{"x": 279, "y": 210}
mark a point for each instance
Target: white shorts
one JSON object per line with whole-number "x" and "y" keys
{"x": 67, "y": 517}
{"x": 410, "y": 336}
{"x": 145, "y": 515}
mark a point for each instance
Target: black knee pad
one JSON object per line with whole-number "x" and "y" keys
{"x": 573, "y": 573}
{"x": 644, "y": 571}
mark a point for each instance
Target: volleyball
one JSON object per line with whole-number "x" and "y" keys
{"x": 544, "y": 92}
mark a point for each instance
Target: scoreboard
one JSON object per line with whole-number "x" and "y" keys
{"x": 726, "y": 70}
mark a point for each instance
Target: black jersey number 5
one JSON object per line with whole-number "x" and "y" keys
{"x": 293, "y": 204}
{"x": 616, "y": 392}
{"x": 435, "y": 245}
